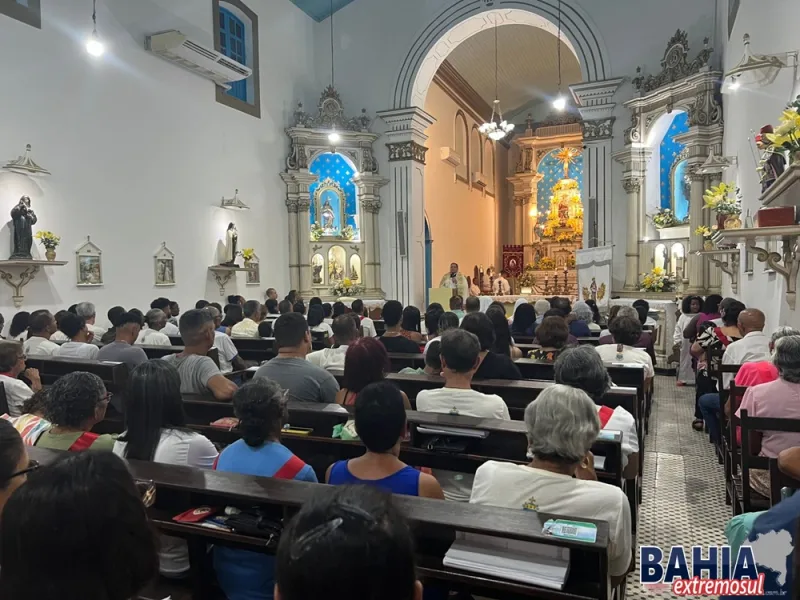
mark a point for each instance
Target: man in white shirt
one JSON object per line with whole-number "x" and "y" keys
{"x": 78, "y": 346}
{"x": 248, "y": 327}
{"x": 228, "y": 354}
{"x": 367, "y": 324}
{"x": 460, "y": 352}
{"x": 165, "y": 306}
{"x": 151, "y": 335}
{"x": 562, "y": 426}
{"x": 753, "y": 347}
{"x": 626, "y": 331}
{"x": 501, "y": 287}
{"x": 345, "y": 333}
{"x": 12, "y": 363}
{"x": 59, "y": 336}
{"x": 89, "y": 313}
{"x": 40, "y": 327}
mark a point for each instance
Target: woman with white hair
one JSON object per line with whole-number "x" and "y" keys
{"x": 581, "y": 325}
{"x": 562, "y": 425}
{"x": 541, "y": 306}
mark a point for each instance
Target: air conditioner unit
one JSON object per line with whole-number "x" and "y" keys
{"x": 176, "y": 48}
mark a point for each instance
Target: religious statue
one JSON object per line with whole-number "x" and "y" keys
{"x": 231, "y": 243}
{"x": 23, "y": 219}
{"x": 772, "y": 163}
{"x": 328, "y": 218}
{"x": 317, "y": 276}
{"x": 563, "y": 211}
{"x": 353, "y": 273}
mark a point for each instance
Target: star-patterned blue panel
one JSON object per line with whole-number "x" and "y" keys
{"x": 553, "y": 171}
{"x": 336, "y": 167}
{"x": 670, "y": 149}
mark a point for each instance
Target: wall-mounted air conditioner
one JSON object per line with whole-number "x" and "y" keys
{"x": 176, "y": 48}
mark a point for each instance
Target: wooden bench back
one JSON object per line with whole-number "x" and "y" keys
{"x": 113, "y": 374}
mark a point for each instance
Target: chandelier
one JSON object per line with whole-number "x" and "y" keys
{"x": 496, "y": 127}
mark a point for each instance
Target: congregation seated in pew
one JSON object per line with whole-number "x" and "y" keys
{"x": 503, "y": 343}
{"x": 524, "y": 322}
{"x": 229, "y": 359}
{"x": 433, "y": 360}
{"x": 248, "y": 326}
{"x": 12, "y": 365}
{"x": 155, "y": 430}
{"x": 582, "y": 368}
{"x": 366, "y": 362}
{"x": 626, "y": 331}
{"x": 261, "y": 411}
{"x": 367, "y": 324}
{"x": 552, "y": 335}
{"x": 41, "y": 326}
{"x": 88, "y": 311}
{"x": 31, "y": 423}
{"x": 492, "y": 366}
{"x": 345, "y": 332}
{"x": 199, "y": 374}
{"x": 316, "y": 321}
{"x": 78, "y": 346}
{"x": 77, "y": 528}
{"x": 74, "y": 404}
{"x": 395, "y": 338}
{"x": 380, "y": 421}
{"x": 166, "y": 307}
{"x": 14, "y": 462}
{"x": 562, "y": 425}
{"x": 122, "y": 349}
{"x": 447, "y": 320}
{"x": 151, "y": 334}
{"x": 302, "y": 380}
{"x": 645, "y": 339}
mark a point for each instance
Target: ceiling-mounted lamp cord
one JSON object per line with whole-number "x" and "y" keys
{"x": 94, "y": 14}
{"x": 559, "y": 47}
{"x": 332, "y": 67}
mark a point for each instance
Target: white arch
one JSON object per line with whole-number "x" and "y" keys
{"x": 465, "y": 18}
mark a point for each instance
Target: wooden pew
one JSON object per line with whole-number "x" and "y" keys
{"x": 526, "y": 342}
{"x": 434, "y": 523}
{"x": 162, "y": 351}
{"x": 778, "y": 480}
{"x": 113, "y": 374}
{"x": 255, "y": 349}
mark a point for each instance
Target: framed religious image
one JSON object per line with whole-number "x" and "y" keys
{"x": 253, "y": 275}
{"x": 164, "y": 263}
{"x": 89, "y": 263}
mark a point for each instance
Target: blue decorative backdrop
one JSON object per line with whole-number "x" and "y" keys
{"x": 670, "y": 149}
{"x": 553, "y": 170}
{"x": 336, "y": 167}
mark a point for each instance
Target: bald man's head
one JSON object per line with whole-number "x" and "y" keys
{"x": 750, "y": 320}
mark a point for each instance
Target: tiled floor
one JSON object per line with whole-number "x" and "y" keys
{"x": 683, "y": 492}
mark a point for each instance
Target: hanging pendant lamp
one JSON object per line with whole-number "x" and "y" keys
{"x": 333, "y": 136}
{"x": 560, "y": 102}
{"x": 496, "y": 127}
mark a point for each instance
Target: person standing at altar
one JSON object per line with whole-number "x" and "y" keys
{"x": 501, "y": 287}
{"x": 455, "y": 281}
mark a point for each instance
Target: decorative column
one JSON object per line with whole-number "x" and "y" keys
{"x": 696, "y": 264}
{"x": 594, "y": 102}
{"x": 407, "y": 151}
{"x": 633, "y": 188}
{"x": 524, "y": 185}
{"x": 298, "y": 202}
{"x": 369, "y": 185}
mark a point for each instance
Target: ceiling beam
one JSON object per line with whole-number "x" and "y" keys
{"x": 462, "y": 92}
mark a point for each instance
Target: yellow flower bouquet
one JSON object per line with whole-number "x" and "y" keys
{"x": 247, "y": 254}
{"x": 48, "y": 239}
{"x": 346, "y": 287}
{"x": 787, "y": 134}
{"x": 657, "y": 280}
{"x": 723, "y": 199}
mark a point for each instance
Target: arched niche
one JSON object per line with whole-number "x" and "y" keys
{"x": 318, "y": 269}
{"x": 461, "y": 144}
{"x": 337, "y": 264}
{"x": 334, "y": 197}
{"x": 488, "y": 164}
{"x": 475, "y": 151}
{"x": 677, "y": 255}
{"x": 660, "y": 257}
{"x": 355, "y": 268}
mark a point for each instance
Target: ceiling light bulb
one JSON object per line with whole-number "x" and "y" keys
{"x": 94, "y": 46}
{"x": 735, "y": 85}
{"x": 560, "y": 103}
{"x": 334, "y": 137}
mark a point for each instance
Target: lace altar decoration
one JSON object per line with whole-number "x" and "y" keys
{"x": 675, "y": 64}
{"x": 331, "y": 115}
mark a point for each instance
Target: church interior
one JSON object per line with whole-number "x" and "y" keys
{"x": 424, "y": 158}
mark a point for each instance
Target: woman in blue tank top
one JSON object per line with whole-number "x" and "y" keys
{"x": 381, "y": 424}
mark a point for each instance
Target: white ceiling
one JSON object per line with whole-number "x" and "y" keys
{"x": 528, "y": 65}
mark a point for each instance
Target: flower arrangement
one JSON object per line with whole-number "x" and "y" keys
{"x": 565, "y": 237}
{"x": 346, "y": 287}
{"x": 666, "y": 218}
{"x": 706, "y": 232}
{"x": 528, "y": 277}
{"x": 316, "y": 232}
{"x": 348, "y": 233}
{"x": 247, "y": 254}
{"x": 787, "y": 134}
{"x": 48, "y": 239}
{"x": 571, "y": 262}
{"x": 546, "y": 264}
{"x": 657, "y": 280}
{"x": 723, "y": 199}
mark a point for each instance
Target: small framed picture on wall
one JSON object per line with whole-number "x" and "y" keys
{"x": 164, "y": 266}
{"x": 89, "y": 261}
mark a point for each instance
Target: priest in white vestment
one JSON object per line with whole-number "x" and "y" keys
{"x": 455, "y": 281}
{"x": 500, "y": 286}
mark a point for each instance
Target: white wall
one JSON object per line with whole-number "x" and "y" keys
{"x": 373, "y": 37}
{"x": 771, "y": 31}
{"x": 140, "y": 150}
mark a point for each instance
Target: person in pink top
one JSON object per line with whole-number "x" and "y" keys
{"x": 776, "y": 399}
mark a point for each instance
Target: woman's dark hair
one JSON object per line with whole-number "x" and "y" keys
{"x": 732, "y": 310}
{"x": 686, "y": 304}
{"x": 35, "y": 404}
{"x": 365, "y": 362}
{"x": 153, "y": 403}
{"x": 554, "y": 312}
{"x": 292, "y": 296}
{"x": 642, "y": 312}
{"x": 435, "y": 306}
{"x": 480, "y": 325}
{"x": 380, "y": 416}
{"x": 524, "y": 319}
{"x": 261, "y": 411}
{"x": 234, "y": 313}
{"x": 553, "y": 332}
{"x": 369, "y": 553}
{"x": 19, "y": 323}
{"x": 432, "y": 318}
{"x": 327, "y": 309}
{"x": 392, "y": 312}
{"x": 315, "y": 300}
{"x": 114, "y": 313}
{"x": 496, "y": 304}
{"x": 595, "y": 311}
{"x": 338, "y": 309}
{"x": 73, "y": 309}
{"x": 502, "y": 333}
{"x": 315, "y": 315}
{"x": 77, "y": 529}
{"x": 625, "y": 330}
{"x": 272, "y": 306}
{"x": 711, "y": 304}
{"x": 411, "y": 319}
{"x": 11, "y": 451}
{"x": 448, "y": 320}
{"x": 299, "y": 307}
{"x": 72, "y": 399}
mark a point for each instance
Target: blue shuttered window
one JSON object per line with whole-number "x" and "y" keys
{"x": 232, "y": 36}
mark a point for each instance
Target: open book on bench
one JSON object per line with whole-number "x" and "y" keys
{"x": 525, "y": 562}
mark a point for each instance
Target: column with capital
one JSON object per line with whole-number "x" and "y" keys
{"x": 298, "y": 202}
{"x": 369, "y": 185}
{"x": 524, "y": 185}
{"x": 406, "y": 144}
{"x": 696, "y": 265}
{"x": 633, "y": 188}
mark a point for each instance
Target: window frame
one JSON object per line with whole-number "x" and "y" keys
{"x": 30, "y": 14}
{"x": 251, "y": 106}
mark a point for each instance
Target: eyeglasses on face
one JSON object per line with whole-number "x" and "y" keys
{"x": 32, "y": 466}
